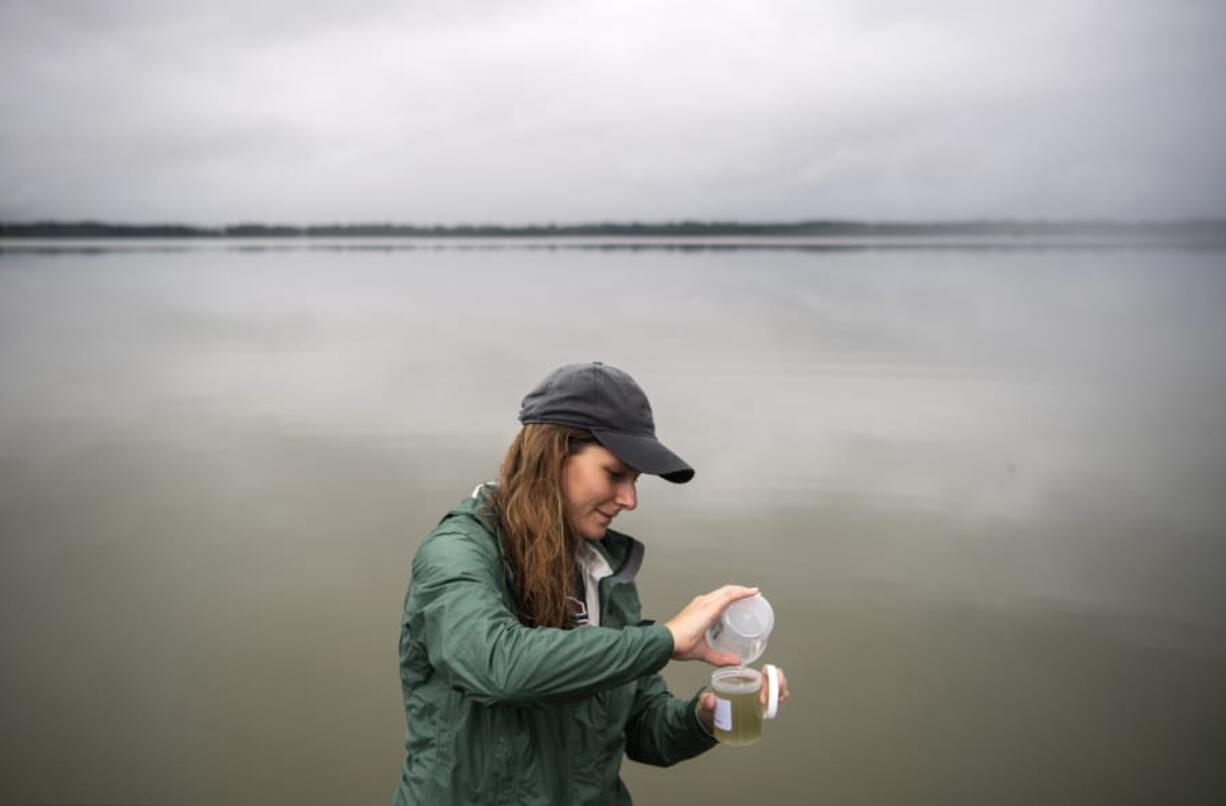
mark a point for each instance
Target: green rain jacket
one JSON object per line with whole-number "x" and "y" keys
{"x": 501, "y": 713}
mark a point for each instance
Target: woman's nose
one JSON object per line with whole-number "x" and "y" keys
{"x": 627, "y": 496}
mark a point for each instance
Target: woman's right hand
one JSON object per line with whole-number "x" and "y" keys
{"x": 689, "y": 627}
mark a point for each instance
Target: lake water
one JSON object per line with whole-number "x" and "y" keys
{"x": 982, "y": 484}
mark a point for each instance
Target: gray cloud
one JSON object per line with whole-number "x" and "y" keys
{"x": 534, "y": 111}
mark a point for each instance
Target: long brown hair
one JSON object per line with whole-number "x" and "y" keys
{"x": 531, "y": 511}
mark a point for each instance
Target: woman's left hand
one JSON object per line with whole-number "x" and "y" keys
{"x": 706, "y": 703}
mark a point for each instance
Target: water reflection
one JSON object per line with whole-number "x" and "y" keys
{"x": 981, "y": 487}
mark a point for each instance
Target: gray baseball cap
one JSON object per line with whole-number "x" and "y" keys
{"x": 607, "y": 402}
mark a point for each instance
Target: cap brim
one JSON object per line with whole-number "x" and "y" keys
{"x": 646, "y": 454}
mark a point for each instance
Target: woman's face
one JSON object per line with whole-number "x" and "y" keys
{"x": 596, "y": 486}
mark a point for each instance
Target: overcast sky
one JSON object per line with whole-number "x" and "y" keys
{"x": 579, "y": 110}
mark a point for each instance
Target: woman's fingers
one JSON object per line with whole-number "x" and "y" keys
{"x": 690, "y": 625}
{"x": 717, "y": 658}
{"x": 764, "y": 695}
{"x": 706, "y": 710}
{"x": 730, "y": 593}
{"x": 717, "y": 600}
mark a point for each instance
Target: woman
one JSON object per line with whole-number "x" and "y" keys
{"x": 527, "y": 668}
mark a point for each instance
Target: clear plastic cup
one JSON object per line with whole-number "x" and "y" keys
{"x": 743, "y": 628}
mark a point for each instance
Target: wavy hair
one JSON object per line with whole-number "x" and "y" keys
{"x": 530, "y": 508}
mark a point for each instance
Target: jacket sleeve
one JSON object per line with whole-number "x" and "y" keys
{"x": 663, "y": 729}
{"x": 479, "y": 645}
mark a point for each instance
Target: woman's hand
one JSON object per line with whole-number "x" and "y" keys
{"x": 689, "y": 627}
{"x": 706, "y": 702}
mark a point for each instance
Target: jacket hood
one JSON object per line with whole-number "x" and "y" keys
{"x": 623, "y": 552}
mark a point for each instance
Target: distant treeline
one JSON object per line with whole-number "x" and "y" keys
{"x": 1198, "y": 228}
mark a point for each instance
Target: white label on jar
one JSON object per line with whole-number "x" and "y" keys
{"x": 723, "y": 714}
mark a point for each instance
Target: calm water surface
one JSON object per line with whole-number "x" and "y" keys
{"x": 981, "y": 486}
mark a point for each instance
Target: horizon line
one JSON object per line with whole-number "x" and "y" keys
{"x": 84, "y": 227}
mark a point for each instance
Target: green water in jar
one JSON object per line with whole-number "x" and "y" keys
{"x": 738, "y": 715}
